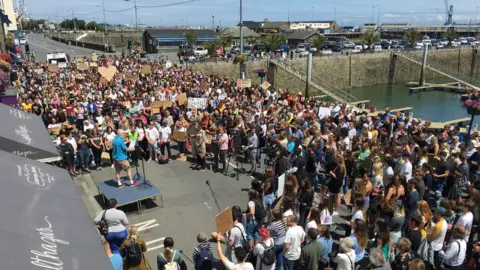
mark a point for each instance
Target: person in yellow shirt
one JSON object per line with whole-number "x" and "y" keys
{"x": 437, "y": 234}
{"x": 27, "y": 105}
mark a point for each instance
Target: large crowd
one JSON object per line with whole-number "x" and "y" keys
{"x": 409, "y": 193}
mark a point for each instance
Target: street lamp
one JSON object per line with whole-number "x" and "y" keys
{"x": 373, "y": 11}
{"x": 136, "y": 17}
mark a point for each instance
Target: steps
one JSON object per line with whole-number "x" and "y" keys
{"x": 440, "y": 69}
{"x": 330, "y": 90}
{"x": 88, "y": 190}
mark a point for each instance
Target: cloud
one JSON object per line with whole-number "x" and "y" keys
{"x": 412, "y": 11}
{"x": 391, "y": 15}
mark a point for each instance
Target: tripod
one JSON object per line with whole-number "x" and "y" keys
{"x": 238, "y": 167}
{"x": 140, "y": 155}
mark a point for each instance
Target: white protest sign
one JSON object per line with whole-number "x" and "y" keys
{"x": 197, "y": 103}
{"x": 324, "y": 112}
{"x": 281, "y": 185}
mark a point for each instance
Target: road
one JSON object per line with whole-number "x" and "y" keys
{"x": 189, "y": 207}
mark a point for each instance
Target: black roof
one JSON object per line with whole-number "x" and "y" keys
{"x": 25, "y": 134}
{"x": 45, "y": 224}
{"x": 252, "y": 24}
{"x": 179, "y": 33}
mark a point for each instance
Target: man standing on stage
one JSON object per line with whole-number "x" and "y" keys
{"x": 120, "y": 158}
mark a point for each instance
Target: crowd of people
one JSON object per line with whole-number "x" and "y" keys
{"x": 409, "y": 193}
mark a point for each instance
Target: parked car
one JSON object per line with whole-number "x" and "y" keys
{"x": 377, "y": 48}
{"x": 471, "y": 40}
{"x": 236, "y": 49}
{"x": 200, "y": 51}
{"x": 311, "y": 48}
{"x": 463, "y": 41}
{"x": 300, "y": 48}
{"x": 349, "y": 45}
{"x": 326, "y": 52}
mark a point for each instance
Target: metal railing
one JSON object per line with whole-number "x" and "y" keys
{"x": 326, "y": 87}
{"x": 434, "y": 65}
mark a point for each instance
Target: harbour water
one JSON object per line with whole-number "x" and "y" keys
{"x": 436, "y": 106}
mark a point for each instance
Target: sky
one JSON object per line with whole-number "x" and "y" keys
{"x": 226, "y": 12}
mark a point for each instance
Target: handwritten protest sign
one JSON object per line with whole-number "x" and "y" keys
{"x": 244, "y": 83}
{"x": 188, "y": 73}
{"x": 265, "y": 85}
{"x": 131, "y": 78}
{"x": 182, "y": 98}
{"x": 208, "y": 139}
{"x": 39, "y": 70}
{"x": 93, "y": 64}
{"x": 179, "y": 135}
{"x": 55, "y": 130}
{"x": 197, "y": 103}
{"x": 155, "y": 110}
{"x": 224, "y": 221}
{"x": 103, "y": 80}
{"x": 82, "y": 66}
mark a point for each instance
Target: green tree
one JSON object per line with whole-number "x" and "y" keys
{"x": 369, "y": 38}
{"x": 251, "y": 40}
{"x": 225, "y": 41}
{"x": 318, "y": 42}
{"x": 211, "y": 46}
{"x": 412, "y": 36}
{"x": 450, "y": 35}
{"x": 273, "y": 41}
{"x": 191, "y": 37}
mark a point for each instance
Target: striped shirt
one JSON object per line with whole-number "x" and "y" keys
{"x": 277, "y": 232}
{"x": 201, "y": 247}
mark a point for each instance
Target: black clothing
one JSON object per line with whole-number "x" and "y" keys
{"x": 416, "y": 238}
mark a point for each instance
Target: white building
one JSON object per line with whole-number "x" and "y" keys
{"x": 314, "y": 25}
{"x": 7, "y": 7}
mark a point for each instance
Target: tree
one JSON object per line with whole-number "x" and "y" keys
{"x": 74, "y": 24}
{"x": 273, "y": 41}
{"x": 225, "y": 41}
{"x": 94, "y": 26}
{"x": 251, "y": 40}
{"x": 318, "y": 41}
{"x": 369, "y": 38}
{"x": 451, "y": 35}
{"x": 212, "y": 47}
{"x": 191, "y": 37}
{"x": 412, "y": 36}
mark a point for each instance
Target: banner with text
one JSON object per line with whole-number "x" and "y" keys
{"x": 197, "y": 103}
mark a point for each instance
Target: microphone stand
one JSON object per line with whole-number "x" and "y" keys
{"x": 213, "y": 195}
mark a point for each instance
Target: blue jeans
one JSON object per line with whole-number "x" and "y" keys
{"x": 279, "y": 253}
{"x": 252, "y": 229}
{"x": 290, "y": 265}
{"x": 115, "y": 239}
{"x": 268, "y": 200}
{"x": 83, "y": 156}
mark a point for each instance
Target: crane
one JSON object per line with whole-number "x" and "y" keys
{"x": 448, "y": 14}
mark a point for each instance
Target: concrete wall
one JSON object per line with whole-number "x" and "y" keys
{"x": 230, "y": 70}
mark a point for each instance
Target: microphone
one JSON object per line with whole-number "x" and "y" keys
{"x": 207, "y": 182}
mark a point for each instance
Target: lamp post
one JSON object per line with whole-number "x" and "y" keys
{"x": 373, "y": 11}
{"x": 136, "y": 17}
{"x": 242, "y": 65}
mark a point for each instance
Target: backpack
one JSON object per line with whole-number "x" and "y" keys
{"x": 134, "y": 253}
{"x": 244, "y": 241}
{"x": 170, "y": 265}
{"x": 260, "y": 212}
{"x": 204, "y": 260}
{"x": 269, "y": 256}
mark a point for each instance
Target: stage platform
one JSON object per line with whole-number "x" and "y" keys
{"x": 128, "y": 195}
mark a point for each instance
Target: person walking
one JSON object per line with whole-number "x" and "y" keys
{"x": 134, "y": 247}
{"x": 116, "y": 221}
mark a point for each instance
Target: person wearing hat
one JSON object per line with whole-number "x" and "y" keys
{"x": 438, "y": 233}
{"x": 203, "y": 248}
{"x": 345, "y": 259}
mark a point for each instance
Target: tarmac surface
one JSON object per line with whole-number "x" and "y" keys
{"x": 189, "y": 206}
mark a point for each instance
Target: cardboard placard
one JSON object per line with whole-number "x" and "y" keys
{"x": 82, "y": 66}
{"x": 281, "y": 185}
{"x": 265, "y": 85}
{"x": 94, "y": 58}
{"x": 39, "y": 70}
{"x": 155, "y": 110}
{"x": 131, "y": 78}
{"x": 79, "y": 60}
{"x": 244, "y": 83}
{"x": 55, "y": 130}
{"x": 93, "y": 65}
{"x": 162, "y": 103}
{"x": 103, "y": 80}
{"x": 188, "y": 73}
{"x": 146, "y": 69}
{"x": 224, "y": 221}
{"x": 182, "y": 98}
{"x": 208, "y": 139}
{"x": 179, "y": 135}
{"x": 79, "y": 76}
{"x": 107, "y": 73}
{"x": 52, "y": 67}
{"x": 197, "y": 103}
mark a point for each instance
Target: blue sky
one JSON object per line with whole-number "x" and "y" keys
{"x": 226, "y": 12}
